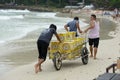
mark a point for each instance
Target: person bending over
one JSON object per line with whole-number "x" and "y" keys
{"x": 43, "y": 43}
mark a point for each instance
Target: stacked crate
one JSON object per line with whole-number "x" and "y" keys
{"x": 69, "y": 47}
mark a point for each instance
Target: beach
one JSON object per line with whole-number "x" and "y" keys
{"x": 108, "y": 52}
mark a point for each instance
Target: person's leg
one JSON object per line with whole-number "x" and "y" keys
{"x": 91, "y": 51}
{"x": 39, "y": 61}
{"x": 95, "y": 52}
{"x": 38, "y": 65}
{"x": 42, "y": 48}
{"x": 91, "y": 47}
{"x": 96, "y": 43}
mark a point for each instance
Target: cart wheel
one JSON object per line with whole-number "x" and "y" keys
{"x": 57, "y": 61}
{"x": 84, "y": 54}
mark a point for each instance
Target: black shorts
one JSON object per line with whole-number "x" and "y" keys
{"x": 42, "y": 49}
{"x": 94, "y": 42}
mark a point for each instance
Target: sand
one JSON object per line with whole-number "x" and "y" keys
{"x": 108, "y": 52}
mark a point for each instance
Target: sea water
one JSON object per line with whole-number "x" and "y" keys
{"x": 15, "y": 24}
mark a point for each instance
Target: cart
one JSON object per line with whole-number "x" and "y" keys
{"x": 71, "y": 48}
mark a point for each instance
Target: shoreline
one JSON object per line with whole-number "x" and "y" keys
{"x": 33, "y": 50}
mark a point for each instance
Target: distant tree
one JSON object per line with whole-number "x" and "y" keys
{"x": 100, "y": 3}
{"x": 36, "y": 2}
{"x": 62, "y": 3}
{"x": 115, "y": 3}
{"x": 2, "y": 1}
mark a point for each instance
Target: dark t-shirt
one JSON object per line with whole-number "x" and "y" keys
{"x": 47, "y": 34}
{"x": 72, "y": 25}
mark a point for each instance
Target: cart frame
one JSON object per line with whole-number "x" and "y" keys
{"x": 83, "y": 54}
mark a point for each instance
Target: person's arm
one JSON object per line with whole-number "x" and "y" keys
{"x": 92, "y": 25}
{"x": 78, "y": 27}
{"x": 66, "y": 27}
{"x": 58, "y": 38}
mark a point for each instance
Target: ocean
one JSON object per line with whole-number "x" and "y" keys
{"x": 15, "y": 24}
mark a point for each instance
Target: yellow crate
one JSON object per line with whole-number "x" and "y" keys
{"x": 63, "y": 36}
{"x": 54, "y": 45}
{"x": 77, "y": 52}
{"x": 73, "y": 54}
{"x": 67, "y": 36}
{"x": 67, "y": 47}
{"x": 76, "y": 43}
{"x": 53, "y": 51}
{"x": 70, "y": 56}
{"x": 71, "y": 35}
{"x": 51, "y": 55}
{"x": 80, "y": 47}
{"x": 80, "y": 40}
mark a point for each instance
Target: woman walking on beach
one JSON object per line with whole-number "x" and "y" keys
{"x": 93, "y": 35}
{"x": 43, "y": 43}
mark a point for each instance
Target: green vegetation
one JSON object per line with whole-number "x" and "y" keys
{"x": 61, "y": 3}
{"x": 106, "y": 3}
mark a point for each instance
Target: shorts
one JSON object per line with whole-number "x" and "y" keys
{"x": 42, "y": 49}
{"x": 94, "y": 41}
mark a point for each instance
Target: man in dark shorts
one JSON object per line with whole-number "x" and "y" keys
{"x": 93, "y": 35}
{"x": 73, "y": 26}
{"x": 43, "y": 43}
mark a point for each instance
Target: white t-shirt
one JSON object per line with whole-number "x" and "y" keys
{"x": 94, "y": 32}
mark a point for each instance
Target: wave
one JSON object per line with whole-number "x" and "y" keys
{"x": 4, "y": 18}
{"x": 18, "y": 33}
{"x": 19, "y": 16}
{"x": 14, "y": 11}
{"x": 2, "y": 41}
{"x": 46, "y": 15}
{"x": 22, "y": 28}
{"x": 11, "y": 17}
